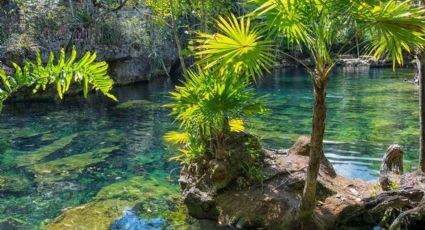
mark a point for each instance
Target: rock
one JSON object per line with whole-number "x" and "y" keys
{"x": 272, "y": 204}
{"x": 68, "y": 168}
{"x": 38, "y": 155}
{"x": 137, "y": 104}
{"x": 13, "y": 184}
{"x": 130, "y": 221}
{"x": 302, "y": 147}
{"x": 94, "y": 215}
{"x": 124, "y": 197}
{"x": 13, "y": 224}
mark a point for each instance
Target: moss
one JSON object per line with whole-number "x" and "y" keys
{"x": 137, "y": 104}
{"x": 98, "y": 215}
{"x": 148, "y": 193}
{"x": 41, "y": 153}
{"x": 68, "y": 167}
{"x": 13, "y": 184}
{"x": 138, "y": 189}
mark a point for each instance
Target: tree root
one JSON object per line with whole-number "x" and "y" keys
{"x": 407, "y": 205}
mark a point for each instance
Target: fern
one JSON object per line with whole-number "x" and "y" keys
{"x": 65, "y": 72}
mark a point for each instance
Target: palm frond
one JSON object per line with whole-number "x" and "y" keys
{"x": 236, "y": 47}
{"x": 394, "y": 27}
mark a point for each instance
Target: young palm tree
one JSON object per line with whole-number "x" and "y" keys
{"x": 65, "y": 72}
{"x": 420, "y": 61}
{"x": 392, "y": 28}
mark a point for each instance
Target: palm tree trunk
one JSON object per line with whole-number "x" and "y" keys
{"x": 420, "y": 60}
{"x": 308, "y": 201}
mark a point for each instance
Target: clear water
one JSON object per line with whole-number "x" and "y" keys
{"x": 367, "y": 111}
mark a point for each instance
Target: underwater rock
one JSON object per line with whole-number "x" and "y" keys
{"x": 41, "y": 153}
{"x": 130, "y": 221}
{"x": 95, "y": 215}
{"x": 137, "y": 104}
{"x": 106, "y": 211}
{"x": 138, "y": 189}
{"x": 69, "y": 167}
{"x": 273, "y": 203}
{"x": 13, "y": 224}
{"x": 13, "y": 184}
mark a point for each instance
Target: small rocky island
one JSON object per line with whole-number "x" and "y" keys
{"x": 227, "y": 191}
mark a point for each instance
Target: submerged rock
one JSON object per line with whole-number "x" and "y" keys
{"x": 272, "y": 204}
{"x": 137, "y": 104}
{"x": 130, "y": 221}
{"x": 95, "y": 215}
{"x": 40, "y": 154}
{"x": 13, "y": 184}
{"x": 106, "y": 211}
{"x": 13, "y": 224}
{"x": 69, "y": 167}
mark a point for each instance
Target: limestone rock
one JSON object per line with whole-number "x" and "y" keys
{"x": 272, "y": 204}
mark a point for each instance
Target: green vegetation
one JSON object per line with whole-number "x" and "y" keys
{"x": 317, "y": 26}
{"x": 38, "y": 155}
{"x": 62, "y": 74}
{"x": 68, "y": 167}
{"x": 209, "y": 107}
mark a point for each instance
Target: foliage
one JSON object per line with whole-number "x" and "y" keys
{"x": 391, "y": 26}
{"x": 237, "y": 47}
{"x": 62, "y": 74}
{"x": 208, "y": 107}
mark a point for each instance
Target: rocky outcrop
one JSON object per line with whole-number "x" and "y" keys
{"x": 274, "y": 202}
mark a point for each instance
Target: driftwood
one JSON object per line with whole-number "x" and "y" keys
{"x": 392, "y": 165}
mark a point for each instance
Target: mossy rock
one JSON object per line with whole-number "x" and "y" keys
{"x": 38, "y": 155}
{"x": 13, "y": 224}
{"x": 13, "y": 184}
{"x": 137, "y": 104}
{"x": 69, "y": 167}
{"x": 97, "y": 215}
{"x": 110, "y": 202}
{"x": 138, "y": 189}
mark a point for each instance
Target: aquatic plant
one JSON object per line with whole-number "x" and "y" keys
{"x": 66, "y": 71}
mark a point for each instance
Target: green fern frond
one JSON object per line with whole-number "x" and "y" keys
{"x": 65, "y": 72}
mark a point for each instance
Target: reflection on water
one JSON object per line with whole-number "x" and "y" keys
{"x": 69, "y": 153}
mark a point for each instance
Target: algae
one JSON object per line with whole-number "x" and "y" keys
{"x": 138, "y": 188}
{"x": 13, "y": 184}
{"x": 137, "y": 104}
{"x": 98, "y": 215}
{"x": 68, "y": 167}
{"x": 41, "y": 153}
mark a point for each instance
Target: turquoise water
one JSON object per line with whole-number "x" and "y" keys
{"x": 66, "y": 152}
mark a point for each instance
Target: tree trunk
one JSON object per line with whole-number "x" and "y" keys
{"x": 420, "y": 60}
{"x": 308, "y": 201}
{"x": 203, "y": 17}
{"x": 176, "y": 37}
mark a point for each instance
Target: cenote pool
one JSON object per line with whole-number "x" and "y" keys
{"x": 54, "y": 156}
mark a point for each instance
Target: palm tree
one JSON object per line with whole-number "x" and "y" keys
{"x": 420, "y": 61}
{"x": 65, "y": 72}
{"x": 390, "y": 28}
